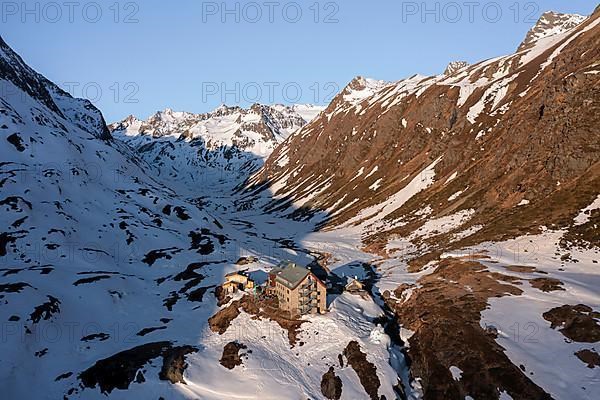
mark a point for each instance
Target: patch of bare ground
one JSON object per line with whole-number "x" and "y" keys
{"x": 174, "y": 363}
{"x": 589, "y": 357}
{"x": 586, "y": 235}
{"x": 366, "y": 370}
{"x": 266, "y": 307}
{"x": 246, "y": 260}
{"x": 547, "y": 284}
{"x": 231, "y": 357}
{"x": 120, "y": 370}
{"x": 376, "y": 247}
{"x": 221, "y": 321}
{"x": 331, "y": 385}
{"x": 400, "y": 291}
{"x": 13, "y": 287}
{"x": 578, "y": 323}
{"x": 417, "y": 264}
{"x": 46, "y": 310}
{"x": 222, "y": 297}
{"x": 445, "y": 318}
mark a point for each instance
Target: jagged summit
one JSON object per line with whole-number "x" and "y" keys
{"x": 454, "y": 67}
{"x": 270, "y": 121}
{"x": 550, "y": 24}
{"x": 184, "y": 145}
{"x": 360, "y": 88}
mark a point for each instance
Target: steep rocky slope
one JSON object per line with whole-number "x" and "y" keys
{"x": 477, "y": 193}
{"x": 492, "y": 141}
{"x": 18, "y": 76}
{"x": 550, "y": 24}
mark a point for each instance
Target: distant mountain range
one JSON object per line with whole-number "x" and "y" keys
{"x": 230, "y": 142}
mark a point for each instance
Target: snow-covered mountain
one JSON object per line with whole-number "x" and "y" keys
{"x": 109, "y": 274}
{"x": 468, "y": 204}
{"x": 550, "y": 24}
{"x": 229, "y": 143}
{"x": 82, "y": 225}
{"x": 376, "y": 137}
{"x": 20, "y": 77}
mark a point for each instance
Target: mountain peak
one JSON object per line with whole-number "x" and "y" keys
{"x": 360, "y": 88}
{"x": 454, "y": 67}
{"x": 362, "y": 83}
{"x": 550, "y": 24}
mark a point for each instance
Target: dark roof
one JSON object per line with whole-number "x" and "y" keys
{"x": 290, "y": 274}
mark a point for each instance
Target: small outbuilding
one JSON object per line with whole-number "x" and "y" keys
{"x": 237, "y": 281}
{"x": 354, "y": 286}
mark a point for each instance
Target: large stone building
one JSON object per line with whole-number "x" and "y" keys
{"x": 299, "y": 291}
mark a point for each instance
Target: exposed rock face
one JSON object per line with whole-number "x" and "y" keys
{"x": 174, "y": 363}
{"x": 455, "y": 66}
{"x": 121, "y": 369}
{"x": 366, "y": 371}
{"x": 578, "y": 322}
{"x": 590, "y": 357}
{"x": 231, "y": 357}
{"x": 331, "y": 385}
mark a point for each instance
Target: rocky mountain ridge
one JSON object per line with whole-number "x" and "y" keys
{"x": 229, "y": 141}
{"x": 550, "y": 24}
{"x": 440, "y": 140}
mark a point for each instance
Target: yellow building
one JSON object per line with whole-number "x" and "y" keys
{"x": 237, "y": 281}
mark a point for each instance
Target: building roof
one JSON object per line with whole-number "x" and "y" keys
{"x": 240, "y": 273}
{"x": 290, "y": 274}
{"x": 354, "y": 283}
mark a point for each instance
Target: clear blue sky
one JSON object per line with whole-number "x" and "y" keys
{"x": 149, "y": 55}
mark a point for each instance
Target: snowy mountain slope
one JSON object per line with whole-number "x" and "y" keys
{"x": 108, "y": 274}
{"x": 229, "y": 142}
{"x": 550, "y": 24}
{"x": 423, "y": 172}
{"x": 80, "y": 216}
{"x": 78, "y": 111}
{"x": 359, "y": 155}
